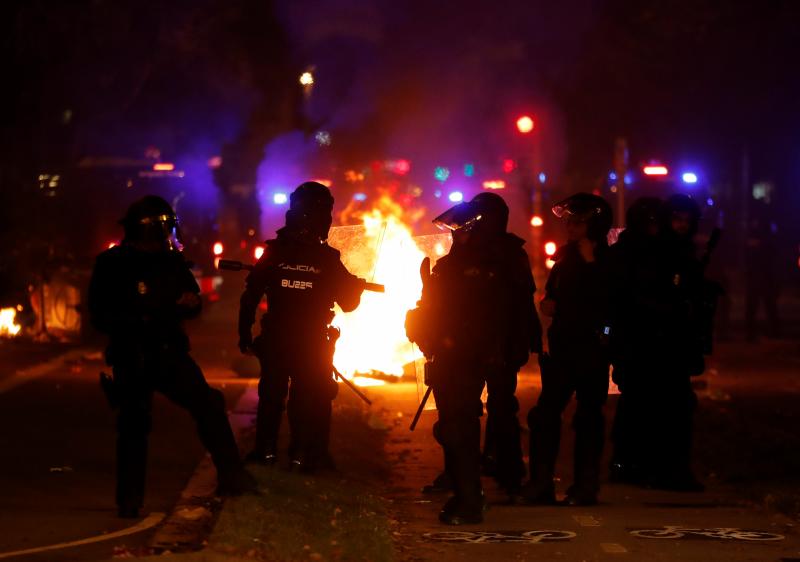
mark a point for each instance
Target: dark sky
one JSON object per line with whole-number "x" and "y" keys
{"x": 682, "y": 79}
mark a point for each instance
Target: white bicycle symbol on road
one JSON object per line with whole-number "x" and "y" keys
{"x": 722, "y": 533}
{"x": 481, "y": 537}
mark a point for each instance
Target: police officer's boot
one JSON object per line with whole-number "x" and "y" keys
{"x": 265, "y": 455}
{"x": 441, "y": 484}
{"x": 460, "y": 510}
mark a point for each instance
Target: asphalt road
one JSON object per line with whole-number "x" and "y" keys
{"x": 744, "y": 448}
{"x": 57, "y": 446}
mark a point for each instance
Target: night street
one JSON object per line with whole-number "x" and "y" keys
{"x": 380, "y": 281}
{"x": 60, "y": 490}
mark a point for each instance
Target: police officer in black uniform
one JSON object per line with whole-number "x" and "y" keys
{"x": 575, "y": 360}
{"x": 477, "y": 323}
{"x": 679, "y": 357}
{"x": 636, "y": 264}
{"x": 139, "y": 294}
{"x": 302, "y": 277}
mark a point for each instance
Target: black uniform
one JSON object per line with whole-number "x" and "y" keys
{"x": 577, "y": 363}
{"x": 678, "y": 357}
{"x": 637, "y": 268}
{"x": 302, "y": 279}
{"x": 478, "y": 318}
{"x": 133, "y": 297}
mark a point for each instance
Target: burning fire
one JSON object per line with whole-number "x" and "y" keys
{"x": 8, "y": 325}
{"x": 373, "y": 339}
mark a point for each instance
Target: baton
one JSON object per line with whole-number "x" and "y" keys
{"x": 421, "y": 408}
{"x": 351, "y": 386}
{"x": 233, "y": 265}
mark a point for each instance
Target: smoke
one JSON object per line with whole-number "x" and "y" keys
{"x": 439, "y": 84}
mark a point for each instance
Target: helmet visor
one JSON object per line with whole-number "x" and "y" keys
{"x": 463, "y": 217}
{"x": 164, "y": 228}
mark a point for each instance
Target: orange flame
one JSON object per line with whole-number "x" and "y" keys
{"x": 8, "y": 325}
{"x": 373, "y": 336}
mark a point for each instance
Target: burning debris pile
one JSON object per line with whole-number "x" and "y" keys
{"x": 8, "y": 325}
{"x": 382, "y": 250}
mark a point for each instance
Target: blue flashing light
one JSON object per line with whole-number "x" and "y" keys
{"x": 437, "y": 193}
{"x": 710, "y": 202}
{"x": 628, "y": 179}
{"x": 456, "y": 197}
{"x": 280, "y": 198}
{"x": 612, "y": 176}
{"x": 469, "y": 170}
{"x": 689, "y": 177}
{"x": 360, "y": 196}
{"x": 542, "y": 177}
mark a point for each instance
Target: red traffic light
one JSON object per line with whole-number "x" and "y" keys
{"x": 525, "y": 124}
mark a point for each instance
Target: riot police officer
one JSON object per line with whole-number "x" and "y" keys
{"x": 302, "y": 277}
{"x": 575, "y": 359}
{"x": 679, "y": 355}
{"x": 477, "y": 323}
{"x": 139, "y": 294}
{"x": 636, "y": 262}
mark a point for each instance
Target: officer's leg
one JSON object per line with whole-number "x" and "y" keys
{"x": 458, "y": 401}
{"x": 502, "y": 407}
{"x": 133, "y": 427}
{"x": 183, "y": 383}
{"x": 443, "y": 481}
{"x": 674, "y": 469}
{"x": 589, "y": 426}
{"x": 273, "y": 388}
{"x": 626, "y": 432}
{"x": 544, "y": 422}
{"x": 310, "y": 395}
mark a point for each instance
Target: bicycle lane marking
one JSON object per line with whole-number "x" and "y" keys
{"x": 148, "y": 522}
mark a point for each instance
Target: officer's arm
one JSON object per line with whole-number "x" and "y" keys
{"x": 348, "y": 287}
{"x": 551, "y": 291}
{"x": 189, "y": 302}
{"x": 255, "y": 287}
{"x": 525, "y": 287}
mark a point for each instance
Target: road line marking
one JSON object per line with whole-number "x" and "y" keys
{"x": 150, "y": 521}
{"x": 586, "y": 520}
{"x": 31, "y": 373}
{"x": 613, "y": 548}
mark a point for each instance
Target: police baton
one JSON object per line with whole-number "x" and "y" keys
{"x": 351, "y": 386}
{"x": 421, "y": 408}
{"x": 233, "y": 265}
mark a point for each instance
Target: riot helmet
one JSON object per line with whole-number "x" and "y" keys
{"x": 151, "y": 224}
{"x": 310, "y": 210}
{"x": 590, "y": 209}
{"x": 644, "y": 216}
{"x": 681, "y": 216}
{"x": 493, "y": 211}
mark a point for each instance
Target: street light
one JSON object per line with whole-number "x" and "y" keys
{"x": 307, "y": 79}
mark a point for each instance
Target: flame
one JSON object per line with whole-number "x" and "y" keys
{"x": 8, "y": 325}
{"x": 373, "y": 336}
